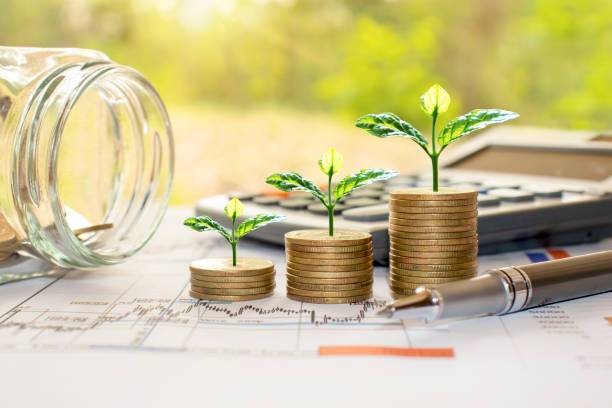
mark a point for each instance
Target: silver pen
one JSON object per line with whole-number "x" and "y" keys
{"x": 508, "y": 290}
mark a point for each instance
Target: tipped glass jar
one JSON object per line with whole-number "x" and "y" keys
{"x": 84, "y": 142}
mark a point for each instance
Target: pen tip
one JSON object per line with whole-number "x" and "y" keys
{"x": 386, "y": 311}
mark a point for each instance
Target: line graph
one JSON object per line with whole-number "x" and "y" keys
{"x": 144, "y": 306}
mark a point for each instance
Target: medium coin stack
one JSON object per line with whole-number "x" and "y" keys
{"x": 433, "y": 237}
{"x": 324, "y": 269}
{"x": 9, "y": 243}
{"x": 218, "y": 279}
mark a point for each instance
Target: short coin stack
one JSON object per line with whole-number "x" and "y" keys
{"x": 8, "y": 240}
{"x": 329, "y": 269}
{"x": 433, "y": 238}
{"x": 218, "y": 279}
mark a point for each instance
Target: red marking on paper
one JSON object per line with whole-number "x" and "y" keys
{"x": 557, "y": 253}
{"x": 386, "y": 351}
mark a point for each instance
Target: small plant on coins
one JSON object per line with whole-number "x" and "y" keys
{"x": 330, "y": 164}
{"x": 233, "y": 210}
{"x": 433, "y": 102}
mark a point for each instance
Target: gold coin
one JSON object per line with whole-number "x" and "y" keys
{"x": 322, "y": 255}
{"x": 395, "y": 286}
{"x": 9, "y": 244}
{"x": 208, "y": 296}
{"x": 330, "y": 281}
{"x": 435, "y": 248}
{"x": 433, "y": 222}
{"x": 329, "y": 268}
{"x": 394, "y": 210}
{"x": 473, "y": 240}
{"x": 397, "y": 295}
{"x": 363, "y": 273}
{"x": 431, "y": 261}
{"x": 321, "y": 238}
{"x": 8, "y": 238}
{"x": 233, "y": 291}
{"x": 331, "y": 300}
{"x": 443, "y": 229}
{"x": 439, "y": 254}
{"x": 438, "y": 268}
{"x": 339, "y": 293}
{"x": 232, "y": 279}
{"x": 330, "y": 262}
{"x": 393, "y": 233}
{"x": 329, "y": 250}
{"x": 231, "y": 285}
{"x": 330, "y": 288}
{"x": 403, "y": 274}
{"x": 224, "y": 267}
{"x": 433, "y": 203}
{"x": 444, "y": 194}
{"x": 417, "y": 280}
{"x": 435, "y": 216}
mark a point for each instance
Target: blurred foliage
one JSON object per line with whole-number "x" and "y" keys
{"x": 549, "y": 60}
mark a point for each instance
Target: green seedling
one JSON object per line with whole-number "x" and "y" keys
{"x": 330, "y": 164}
{"x": 433, "y": 102}
{"x": 233, "y": 210}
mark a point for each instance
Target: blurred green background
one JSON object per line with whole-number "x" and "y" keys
{"x": 257, "y": 86}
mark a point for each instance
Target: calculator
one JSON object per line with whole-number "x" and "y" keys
{"x": 537, "y": 188}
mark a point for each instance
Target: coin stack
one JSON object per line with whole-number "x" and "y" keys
{"x": 433, "y": 238}
{"x": 218, "y": 279}
{"x": 9, "y": 244}
{"x": 329, "y": 269}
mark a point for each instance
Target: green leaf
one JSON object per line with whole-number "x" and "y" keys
{"x": 472, "y": 121}
{"x": 385, "y": 125}
{"x": 205, "y": 223}
{"x": 435, "y": 100}
{"x": 256, "y": 222}
{"x": 331, "y": 162}
{"x": 234, "y": 209}
{"x": 361, "y": 179}
{"x": 291, "y": 181}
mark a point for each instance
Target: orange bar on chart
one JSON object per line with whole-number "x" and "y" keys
{"x": 386, "y": 351}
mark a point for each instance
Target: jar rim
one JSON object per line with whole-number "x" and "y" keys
{"x": 36, "y": 189}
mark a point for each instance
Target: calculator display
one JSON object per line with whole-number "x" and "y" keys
{"x": 582, "y": 164}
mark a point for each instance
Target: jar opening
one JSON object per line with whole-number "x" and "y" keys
{"x": 99, "y": 152}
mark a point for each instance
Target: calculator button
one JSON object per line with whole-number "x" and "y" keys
{"x": 367, "y": 214}
{"x": 544, "y": 191}
{"x": 242, "y": 196}
{"x": 267, "y": 200}
{"x": 360, "y": 202}
{"x": 320, "y": 209}
{"x": 466, "y": 186}
{"x": 402, "y": 179}
{"x": 295, "y": 204}
{"x": 398, "y": 186}
{"x": 511, "y": 195}
{"x": 367, "y": 193}
{"x": 488, "y": 200}
{"x": 300, "y": 195}
{"x": 496, "y": 184}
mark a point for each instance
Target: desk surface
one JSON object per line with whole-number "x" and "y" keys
{"x": 130, "y": 335}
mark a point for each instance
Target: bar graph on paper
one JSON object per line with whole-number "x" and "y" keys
{"x": 144, "y": 305}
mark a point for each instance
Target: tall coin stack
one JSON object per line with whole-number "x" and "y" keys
{"x": 218, "y": 279}
{"x": 324, "y": 269}
{"x": 433, "y": 238}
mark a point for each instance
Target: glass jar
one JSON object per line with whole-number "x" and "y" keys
{"x": 84, "y": 142}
